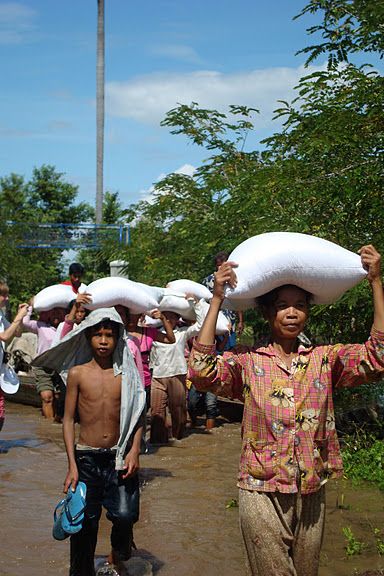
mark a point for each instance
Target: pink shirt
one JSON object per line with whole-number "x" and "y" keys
{"x": 45, "y": 332}
{"x": 136, "y": 356}
{"x": 144, "y": 343}
{"x": 289, "y": 440}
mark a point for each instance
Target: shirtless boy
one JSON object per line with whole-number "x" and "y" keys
{"x": 95, "y": 392}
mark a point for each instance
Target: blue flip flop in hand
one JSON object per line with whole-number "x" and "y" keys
{"x": 68, "y": 515}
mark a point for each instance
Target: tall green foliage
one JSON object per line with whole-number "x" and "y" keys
{"x": 347, "y": 27}
{"x": 46, "y": 198}
{"x": 321, "y": 174}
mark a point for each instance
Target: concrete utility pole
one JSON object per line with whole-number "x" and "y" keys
{"x": 100, "y": 68}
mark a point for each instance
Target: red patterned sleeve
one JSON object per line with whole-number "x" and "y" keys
{"x": 355, "y": 364}
{"x": 209, "y": 372}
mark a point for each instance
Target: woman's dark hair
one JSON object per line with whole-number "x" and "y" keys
{"x": 267, "y": 300}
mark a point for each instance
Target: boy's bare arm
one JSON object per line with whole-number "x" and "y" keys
{"x": 71, "y": 398}
{"x": 131, "y": 461}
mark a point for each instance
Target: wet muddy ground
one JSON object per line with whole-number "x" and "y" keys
{"x": 187, "y": 526}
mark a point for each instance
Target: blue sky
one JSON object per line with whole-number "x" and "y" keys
{"x": 158, "y": 53}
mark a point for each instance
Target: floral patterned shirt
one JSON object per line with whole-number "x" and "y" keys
{"x": 289, "y": 440}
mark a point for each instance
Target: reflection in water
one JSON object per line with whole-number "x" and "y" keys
{"x": 187, "y": 526}
{"x": 6, "y": 445}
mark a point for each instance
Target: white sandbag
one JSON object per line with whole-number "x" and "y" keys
{"x": 150, "y": 322}
{"x": 270, "y": 260}
{"x": 82, "y": 289}
{"x": 155, "y": 291}
{"x": 185, "y": 286}
{"x": 238, "y": 305}
{"x": 177, "y": 303}
{"x": 56, "y": 296}
{"x": 222, "y": 324}
{"x": 113, "y": 290}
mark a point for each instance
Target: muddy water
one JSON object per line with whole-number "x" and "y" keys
{"x": 185, "y": 528}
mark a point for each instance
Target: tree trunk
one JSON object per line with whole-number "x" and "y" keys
{"x": 100, "y": 66}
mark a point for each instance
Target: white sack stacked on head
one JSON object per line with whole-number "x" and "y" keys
{"x": 270, "y": 260}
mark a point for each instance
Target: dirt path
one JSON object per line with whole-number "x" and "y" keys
{"x": 185, "y": 528}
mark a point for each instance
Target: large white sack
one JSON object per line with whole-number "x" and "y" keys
{"x": 113, "y": 290}
{"x": 269, "y": 260}
{"x": 56, "y": 296}
{"x": 151, "y": 322}
{"x": 222, "y": 325}
{"x": 176, "y": 302}
{"x": 155, "y": 291}
{"x": 185, "y": 286}
{"x": 238, "y": 304}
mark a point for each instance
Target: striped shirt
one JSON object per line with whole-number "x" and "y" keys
{"x": 289, "y": 440}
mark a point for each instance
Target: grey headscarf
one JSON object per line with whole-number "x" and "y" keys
{"x": 75, "y": 349}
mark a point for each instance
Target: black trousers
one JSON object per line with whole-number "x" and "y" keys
{"x": 105, "y": 488}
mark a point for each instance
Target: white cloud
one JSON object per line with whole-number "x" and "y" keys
{"x": 148, "y": 98}
{"x": 176, "y": 52}
{"x": 16, "y": 22}
{"x": 186, "y": 169}
{"x": 147, "y": 194}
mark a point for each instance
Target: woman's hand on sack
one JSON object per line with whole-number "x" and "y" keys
{"x": 371, "y": 262}
{"x": 224, "y": 275}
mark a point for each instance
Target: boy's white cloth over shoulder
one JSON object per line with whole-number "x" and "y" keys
{"x": 75, "y": 349}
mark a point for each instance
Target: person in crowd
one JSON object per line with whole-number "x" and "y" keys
{"x": 76, "y": 314}
{"x": 200, "y": 403}
{"x": 196, "y": 398}
{"x": 47, "y": 381}
{"x": 289, "y": 441}
{"x": 75, "y": 272}
{"x": 236, "y": 319}
{"x": 108, "y": 396}
{"x": 143, "y": 337}
{"x": 169, "y": 370}
{"x": 7, "y": 331}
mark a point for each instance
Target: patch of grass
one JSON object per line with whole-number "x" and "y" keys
{"x": 363, "y": 457}
{"x": 353, "y": 546}
{"x": 379, "y": 541}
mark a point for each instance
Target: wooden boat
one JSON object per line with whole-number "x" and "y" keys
{"x": 27, "y": 393}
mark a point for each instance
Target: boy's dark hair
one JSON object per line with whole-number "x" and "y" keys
{"x": 76, "y": 268}
{"x": 104, "y": 323}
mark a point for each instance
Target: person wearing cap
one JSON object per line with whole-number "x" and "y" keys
{"x": 7, "y": 331}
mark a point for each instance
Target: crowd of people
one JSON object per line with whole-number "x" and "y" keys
{"x": 129, "y": 370}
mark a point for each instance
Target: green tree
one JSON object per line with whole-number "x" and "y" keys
{"x": 347, "y": 27}
{"x": 46, "y": 198}
{"x": 321, "y": 174}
